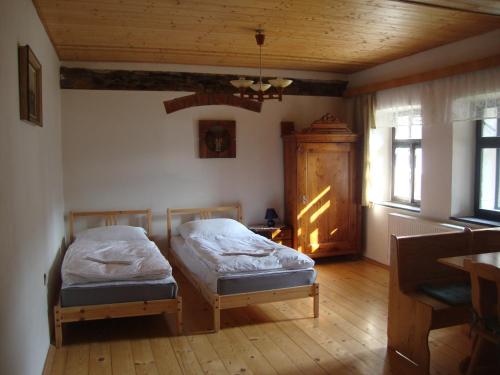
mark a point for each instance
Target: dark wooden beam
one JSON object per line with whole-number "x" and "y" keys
{"x": 93, "y": 79}
{"x": 201, "y": 99}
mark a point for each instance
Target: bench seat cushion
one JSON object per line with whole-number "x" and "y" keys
{"x": 454, "y": 294}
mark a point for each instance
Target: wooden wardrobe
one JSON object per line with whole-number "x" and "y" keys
{"x": 322, "y": 188}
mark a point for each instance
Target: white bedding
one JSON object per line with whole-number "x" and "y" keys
{"x": 254, "y": 253}
{"x": 191, "y": 260}
{"x": 89, "y": 261}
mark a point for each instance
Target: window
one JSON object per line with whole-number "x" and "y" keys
{"x": 487, "y": 190}
{"x": 407, "y": 158}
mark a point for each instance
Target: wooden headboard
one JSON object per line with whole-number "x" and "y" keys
{"x": 110, "y": 218}
{"x": 202, "y": 213}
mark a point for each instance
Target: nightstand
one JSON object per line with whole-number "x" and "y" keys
{"x": 280, "y": 233}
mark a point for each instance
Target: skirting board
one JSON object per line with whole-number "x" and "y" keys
{"x": 49, "y": 360}
{"x": 376, "y": 263}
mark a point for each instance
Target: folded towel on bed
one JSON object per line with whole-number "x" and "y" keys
{"x": 108, "y": 261}
{"x": 250, "y": 253}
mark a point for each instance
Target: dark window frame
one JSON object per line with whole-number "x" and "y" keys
{"x": 412, "y": 144}
{"x": 483, "y": 143}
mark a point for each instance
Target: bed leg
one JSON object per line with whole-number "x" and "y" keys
{"x": 58, "y": 326}
{"x": 179, "y": 316}
{"x": 316, "y": 300}
{"x": 216, "y": 309}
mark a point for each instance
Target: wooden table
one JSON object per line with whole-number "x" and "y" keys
{"x": 463, "y": 262}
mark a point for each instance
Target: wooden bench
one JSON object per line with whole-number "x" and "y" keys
{"x": 412, "y": 314}
{"x": 486, "y": 240}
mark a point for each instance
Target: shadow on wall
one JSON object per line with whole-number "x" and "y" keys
{"x": 54, "y": 285}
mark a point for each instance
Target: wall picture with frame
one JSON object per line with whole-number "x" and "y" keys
{"x": 30, "y": 86}
{"x": 217, "y": 139}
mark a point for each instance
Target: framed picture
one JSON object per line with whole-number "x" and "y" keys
{"x": 217, "y": 139}
{"x": 30, "y": 86}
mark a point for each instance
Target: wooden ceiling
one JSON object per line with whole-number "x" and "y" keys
{"x": 343, "y": 36}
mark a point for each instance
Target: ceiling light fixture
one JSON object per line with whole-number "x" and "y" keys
{"x": 260, "y": 87}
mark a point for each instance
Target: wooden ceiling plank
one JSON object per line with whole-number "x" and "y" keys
{"x": 243, "y": 30}
{"x": 95, "y": 14}
{"x": 269, "y": 61}
{"x": 233, "y": 11}
{"x": 158, "y": 57}
{"x": 342, "y": 33}
{"x": 189, "y": 15}
{"x": 67, "y": 32}
{"x": 318, "y": 6}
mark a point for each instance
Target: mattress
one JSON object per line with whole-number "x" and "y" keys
{"x": 241, "y": 282}
{"x": 118, "y": 292}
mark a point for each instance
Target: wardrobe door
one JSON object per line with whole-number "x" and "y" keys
{"x": 327, "y": 211}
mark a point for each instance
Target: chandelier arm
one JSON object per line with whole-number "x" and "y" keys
{"x": 278, "y": 84}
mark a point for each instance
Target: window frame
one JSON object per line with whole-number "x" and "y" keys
{"x": 412, "y": 144}
{"x": 483, "y": 143}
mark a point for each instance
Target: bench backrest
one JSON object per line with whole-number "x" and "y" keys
{"x": 414, "y": 258}
{"x": 486, "y": 240}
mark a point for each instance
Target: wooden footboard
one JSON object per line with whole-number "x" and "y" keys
{"x": 222, "y": 302}
{"x": 64, "y": 315}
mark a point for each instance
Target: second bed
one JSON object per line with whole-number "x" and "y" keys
{"x": 225, "y": 288}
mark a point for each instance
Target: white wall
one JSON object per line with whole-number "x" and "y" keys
{"x": 463, "y": 169}
{"x": 121, "y": 150}
{"x": 31, "y": 195}
{"x": 465, "y": 50}
{"x": 447, "y": 151}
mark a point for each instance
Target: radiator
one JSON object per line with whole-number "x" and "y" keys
{"x": 405, "y": 225}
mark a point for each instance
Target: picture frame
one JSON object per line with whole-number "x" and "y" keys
{"x": 30, "y": 86}
{"x": 217, "y": 138}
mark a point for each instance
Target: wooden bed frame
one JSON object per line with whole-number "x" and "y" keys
{"x": 64, "y": 315}
{"x": 220, "y": 302}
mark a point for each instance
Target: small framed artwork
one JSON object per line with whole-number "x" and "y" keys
{"x": 217, "y": 139}
{"x": 30, "y": 86}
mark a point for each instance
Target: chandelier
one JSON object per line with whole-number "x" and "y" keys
{"x": 260, "y": 88}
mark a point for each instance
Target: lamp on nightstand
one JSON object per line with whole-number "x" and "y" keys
{"x": 270, "y": 216}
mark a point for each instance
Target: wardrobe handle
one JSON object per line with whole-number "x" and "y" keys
{"x": 304, "y": 199}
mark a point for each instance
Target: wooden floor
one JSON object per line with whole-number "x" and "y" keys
{"x": 277, "y": 338}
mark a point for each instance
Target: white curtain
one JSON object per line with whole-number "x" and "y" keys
{"x": 468, "y": 97}
{"x": 403, "y": 102}
{"x": 464, "y": 97}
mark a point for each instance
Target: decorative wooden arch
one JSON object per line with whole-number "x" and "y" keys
{"x": 200, "y": 99}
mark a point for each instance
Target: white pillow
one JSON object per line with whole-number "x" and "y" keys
{"x": 113, "y": 233}
{"x": 213, "y": 227}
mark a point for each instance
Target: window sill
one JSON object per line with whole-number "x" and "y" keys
{"x": 477, "y": 221}
{"x": 399, "y": 206}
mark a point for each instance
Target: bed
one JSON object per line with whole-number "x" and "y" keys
{"x": 99, "y": 282}
{"x": 224, "y": 288}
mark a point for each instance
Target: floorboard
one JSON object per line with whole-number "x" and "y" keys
{"x": 276, "y": 338}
